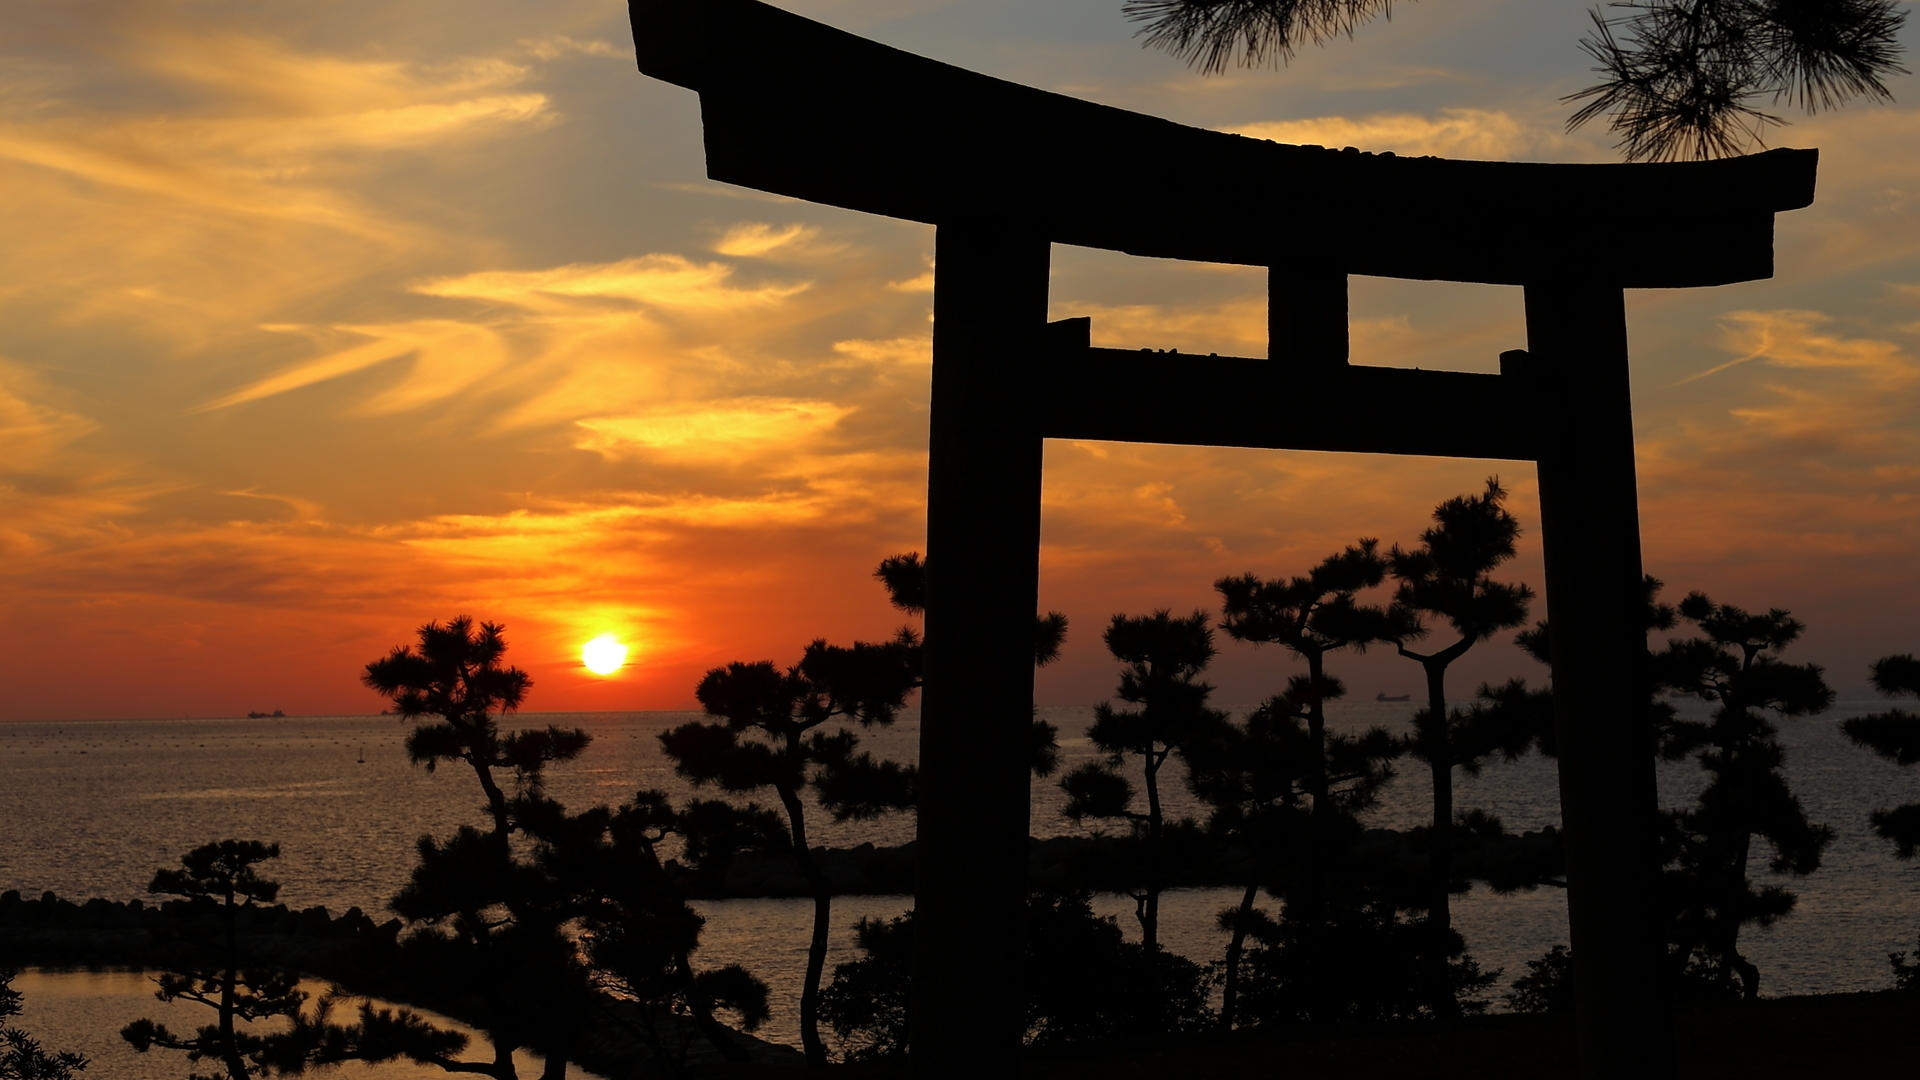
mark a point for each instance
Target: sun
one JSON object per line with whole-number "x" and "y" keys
{"x": 603, "y": 655}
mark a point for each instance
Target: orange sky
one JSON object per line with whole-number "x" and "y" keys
{"x": 321, "y": 321}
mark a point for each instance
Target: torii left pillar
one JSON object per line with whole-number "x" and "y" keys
{"x": 983, "y": 546}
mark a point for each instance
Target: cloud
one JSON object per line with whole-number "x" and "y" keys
{"x": 551, "y": 318}
{"x": 52, "y": 493}
{"x": 301, "y": 111}
{"x": 720, "y": 432}
{"x": 388, "y": 344}
{"x": 1856, "y": 395}
{"x": 908, "y": 351}
{"x": 32, "y": 434}
{"x": 222, "y": 178}
{"x": 1866, "y": 209}
{"x": 1234, "y": 327}
{"x": 1455, "y": 133}
{"x": 555, "y": 47}
{"x": 660, "y": 281}
{"x": 758, "y": 240}
{"x": 1803, "y": 453}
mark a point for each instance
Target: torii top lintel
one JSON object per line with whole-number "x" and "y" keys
{"x": 797, "y": 108}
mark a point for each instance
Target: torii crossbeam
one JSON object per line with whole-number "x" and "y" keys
{"x": 1004, "y": 171}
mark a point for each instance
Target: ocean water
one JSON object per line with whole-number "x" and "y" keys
{"x": 93, "y": 808}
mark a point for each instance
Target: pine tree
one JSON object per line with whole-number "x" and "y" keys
{"x": 1735, "y": 665}
{"x": 786, "y": 730}
{"x": 490, "y": 920}
{"x": 1311, "y": 616}
{"x": 1258, "y": 779}
{"x": 1448, "y": 577}
{"x": 242, "y": 996}
{"x": 1894, "y": 735}
{"x": 1679, "y": 77}
{"x": 224, "y": 872}
{"x": 1162, "y": 657}
{"x": 636, "y": 929}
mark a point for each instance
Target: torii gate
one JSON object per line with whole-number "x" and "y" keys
{"x": 1003, "y": 171}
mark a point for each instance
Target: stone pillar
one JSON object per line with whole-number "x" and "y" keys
{"x": 983, "y": 550}
{"x": 1590, "y": 528}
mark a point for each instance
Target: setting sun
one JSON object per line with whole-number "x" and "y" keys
{"x": 603, "y": 655}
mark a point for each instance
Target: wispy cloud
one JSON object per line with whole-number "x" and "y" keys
{"x": 660, "y": 281}
{"x": 1456, "y": 133}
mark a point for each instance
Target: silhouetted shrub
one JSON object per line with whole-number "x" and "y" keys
{"x": 1906, "y": 975}
{"x": 1547, "y": 987}
{"x": 1085, "y": 983}
{"x": 866, "y": 1004}
{"x": 1363, "y": 962}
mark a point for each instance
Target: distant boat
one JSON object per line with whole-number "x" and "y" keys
{"x": 1383, "y": 696}
{"x": 266, "y": 715}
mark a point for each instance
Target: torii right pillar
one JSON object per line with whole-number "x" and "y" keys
{"x": 1596, "y": 606}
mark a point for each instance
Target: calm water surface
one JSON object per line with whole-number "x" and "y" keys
{"x": 93, "y": 808}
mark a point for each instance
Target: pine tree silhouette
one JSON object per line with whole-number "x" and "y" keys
{"x": 1735, "y": 664}
{"x": 786, "y": 730}
{"x": 1161, "y": 656}
{"x": 1679, "y": 77}
{"x": 1311, "y": 615}
{"x": 241, "y": 996}
{"x": 1259, "y": 780}
{"x": 488, "y": 918}
{"x": 1448, "y": 577}
{"x": 1895, "y": 735}
{"x": 633, "y": 922}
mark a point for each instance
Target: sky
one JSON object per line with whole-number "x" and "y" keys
{"x": 319, "y": 322}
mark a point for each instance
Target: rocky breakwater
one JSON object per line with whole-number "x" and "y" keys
{"x": 52, "y": 932}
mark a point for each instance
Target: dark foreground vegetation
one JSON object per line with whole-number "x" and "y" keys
{"x": 1854, "y": 1035}
{"x": 349, "y": 950}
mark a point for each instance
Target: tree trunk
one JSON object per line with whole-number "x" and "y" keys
{"x": 1440, "y": 855}
{"x": 1310, "y": 905}
{"x": 1749, "y": 974}
{"x": 810, "y": 1041}
{"x": 1736, "y": 889}
{"x": 503, "y": 1067}
{"x": 230, "y": 1053}
{"x": 1230, "y": 984}
{"x": 1156, "y": 830}
{"x": 496, "y": 799}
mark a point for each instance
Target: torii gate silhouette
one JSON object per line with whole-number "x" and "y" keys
{"x": 1003, "y": 171}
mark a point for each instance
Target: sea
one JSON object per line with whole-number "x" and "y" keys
{"x": 93, "y": 808}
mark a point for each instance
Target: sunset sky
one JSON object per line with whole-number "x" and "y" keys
{"x": 321, "y": 321}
